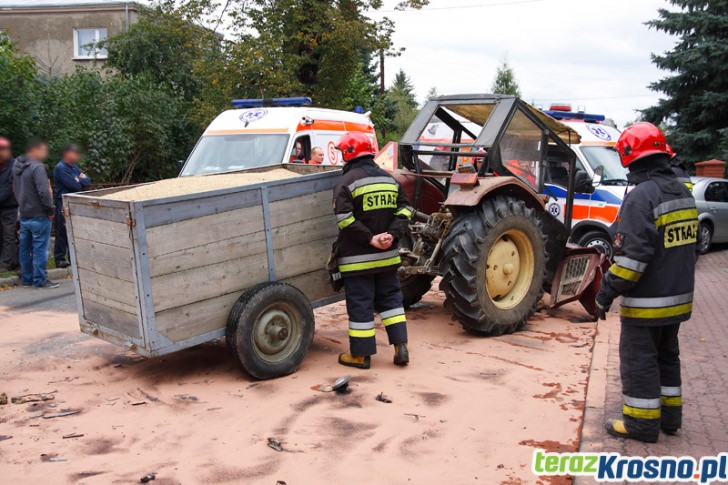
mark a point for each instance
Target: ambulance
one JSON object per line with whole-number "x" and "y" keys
{"x": 593, "y": 214}
{"x": 264, "y": 132}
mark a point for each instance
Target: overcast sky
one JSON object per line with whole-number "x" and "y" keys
{"x": 592, "y": 54}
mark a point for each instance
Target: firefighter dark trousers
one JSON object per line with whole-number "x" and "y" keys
{"x": 650, "y": 369}
{"x": 364, "y": 295}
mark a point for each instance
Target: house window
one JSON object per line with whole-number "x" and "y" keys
{"x": 85, "y": 44}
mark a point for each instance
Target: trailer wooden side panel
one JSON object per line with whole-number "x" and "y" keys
{"x": 101, "y": 250}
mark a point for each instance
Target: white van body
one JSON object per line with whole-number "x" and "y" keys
{"x": 241, "y": 139}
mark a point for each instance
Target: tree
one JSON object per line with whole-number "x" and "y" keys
{"x": 19, "y": 83}
{"x": 402, "y": 95}
{"x": 505, "y": 81}
{"x": 695, "y": 106}
{"x": 432, "y": 93}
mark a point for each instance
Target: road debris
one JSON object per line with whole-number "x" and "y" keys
{"x": 3, "y": 398}
{"x": 4, "y": 437}
{"x": 416, "y": 416}
{"x": 148, "y": 477}
{"x": 51, "y": 457}
{"x": 72, "y": 435}
{"x": 69, "y": 412}
{"x": 147, "y": 395}
{"x": 186, "y": 397}
{"x": 38, "y": 397}
{"x": 281, "y": 482}
{"x": 382, "y": 398}
{"x": 138, "y": 403}
{"x": 275, "y": 444}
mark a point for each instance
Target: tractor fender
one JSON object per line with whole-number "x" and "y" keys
{"x": 467, "y": 196}
{"x": 430, "y": 195}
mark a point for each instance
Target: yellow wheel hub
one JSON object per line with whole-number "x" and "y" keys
{"x": 509, "y": 269}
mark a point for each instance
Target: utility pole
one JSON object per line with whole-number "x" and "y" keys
{"x": 381, "y": 71}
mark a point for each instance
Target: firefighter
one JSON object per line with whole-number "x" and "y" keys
{"x": 372, "y": 212}
{"x": 679, "y": 169}
{"x": 653, "y": 269}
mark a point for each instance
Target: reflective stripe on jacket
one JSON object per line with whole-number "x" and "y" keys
{"x": 368, "y": 201}
{"x": 655, "y": 247}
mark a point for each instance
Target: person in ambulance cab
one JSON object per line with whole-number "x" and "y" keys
{"x": 372, "y": 212}
{"x": 654, "y": 271}
{"x": 317, "y": 156}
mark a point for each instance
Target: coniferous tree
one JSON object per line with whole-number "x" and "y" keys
{"x": 695, "y": 105}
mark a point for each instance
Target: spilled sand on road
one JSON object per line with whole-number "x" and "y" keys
{"x": 466, "y": 410}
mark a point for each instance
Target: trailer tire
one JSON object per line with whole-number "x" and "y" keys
{"x": 599, "y": 240}
{"x": 485, "y": 299}
{"x": 270, "y": 329}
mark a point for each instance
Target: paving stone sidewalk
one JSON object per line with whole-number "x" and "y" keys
{"x": 704, "y": 349}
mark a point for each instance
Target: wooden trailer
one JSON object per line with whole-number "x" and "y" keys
{"x": 247, "y": 262}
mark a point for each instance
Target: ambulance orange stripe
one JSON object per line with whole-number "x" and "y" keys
{"x": 242, "y": 131}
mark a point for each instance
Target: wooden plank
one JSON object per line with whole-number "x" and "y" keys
{"x": 89, "y": 295}
{"x": 107, "y": 286}
{"x": 102, "y": 209}
{"x": 105, "y": 259}
{"x": 199, "y": 231}
{"x": 189, "y": 321}
{"x": 213, "y": 253}
{"x": 197, "y": 284}
{"x": 297, "y": 209}
{"x": 314, "y": 285}
{"x": 113, "y": 319}
{"x": 157, "y": 213}
{"x": 302, "y": 258}
{"x": 323, "y": 227}
{"x": 100, "y": 230}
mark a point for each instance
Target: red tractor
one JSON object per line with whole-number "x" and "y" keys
{"x": 474, "y": 168}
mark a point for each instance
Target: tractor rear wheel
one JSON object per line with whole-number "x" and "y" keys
{"x": 493, "y": 266}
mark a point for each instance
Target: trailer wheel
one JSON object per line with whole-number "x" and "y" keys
{"x": 493, "y": 266}
{"x": 599, "y": 240}
{"x": 414, "y": 287}
{"x": 270, "y": 329}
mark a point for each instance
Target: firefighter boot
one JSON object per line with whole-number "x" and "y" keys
{"x": 616, "y": 427}
{"x": 401, "y": 354}
{"x": 358, "y": 361}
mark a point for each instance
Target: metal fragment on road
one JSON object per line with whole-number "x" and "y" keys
{"x": 4, "y": 437}
{"x": 341, "y": 383}
{"x": 382, "y": 398}
{"x": 70, "y": 412}
{"x": 275, "y": 444}
{"x": 72, "y": 435}
{"x": 148, "y": 477}
{"x": 37, "y": 397}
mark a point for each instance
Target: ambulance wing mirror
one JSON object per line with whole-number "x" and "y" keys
{"x": 598, "y": 174}
{"x": 583, "y": 184}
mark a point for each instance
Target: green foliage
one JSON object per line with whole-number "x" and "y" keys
{"x": 695, "y": 107}
{"x": 505, "y": 81}
{"x": 18, "y": 83}
{"x": 402, "y": 96}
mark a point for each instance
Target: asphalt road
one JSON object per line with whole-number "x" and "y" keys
{"x": 59, "y": 299}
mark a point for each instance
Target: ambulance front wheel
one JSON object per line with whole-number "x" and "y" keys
{"x": 270, "y": 329}
{"x": 598, "y": 240}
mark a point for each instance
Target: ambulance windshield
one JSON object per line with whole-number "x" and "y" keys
{"x": 229, "y": 153}
{"x": 607, "y": 157}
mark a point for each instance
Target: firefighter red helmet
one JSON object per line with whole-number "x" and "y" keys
{"x": 640, "y": 140}
{"x": 354, "y": 145}
{"x": 670, "y": 151}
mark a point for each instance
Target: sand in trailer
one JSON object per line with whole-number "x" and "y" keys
{"x": 195, "y": 184}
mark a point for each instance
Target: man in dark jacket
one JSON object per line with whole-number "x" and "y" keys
{"x": 372, "y": 212}
{"x": 35, "y": 201}
{"x": 8, "y": 210}
{"x": 653, "y": 269}
{"x": 68, "y": 179}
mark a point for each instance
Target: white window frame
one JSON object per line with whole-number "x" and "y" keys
{"x": 97, "y": 54}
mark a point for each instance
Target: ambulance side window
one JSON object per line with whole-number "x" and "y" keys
{"x": 301, "y": 150}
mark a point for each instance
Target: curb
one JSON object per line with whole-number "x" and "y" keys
{"x": 53, "y": 274}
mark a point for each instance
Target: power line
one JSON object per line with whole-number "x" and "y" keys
{"x": 460, "y": 7}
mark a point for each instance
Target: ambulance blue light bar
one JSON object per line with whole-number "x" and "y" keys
{"x": 570, "y": 115}
{"x": 259, "y": 103}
